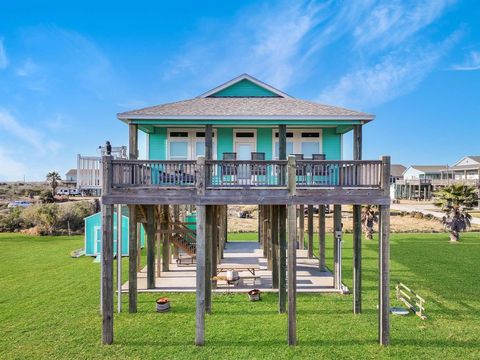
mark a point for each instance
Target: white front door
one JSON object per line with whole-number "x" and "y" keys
{"x": 245, "y": 144}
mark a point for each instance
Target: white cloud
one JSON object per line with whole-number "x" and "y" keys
{"x": 396, "y": 74}
{"x": 3, "y": 55}
{"x": 12, "y": 169}
{"x": 27, "y": 69}
{"x": 27, "y": 134}
{"x": 393, "y": 22}
{"x": 471, "y": 62}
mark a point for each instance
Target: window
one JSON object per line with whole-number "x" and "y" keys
{"x": 187, "y": 144}
{"x": 244, "y": 135}
{"x": 306, "y": 142}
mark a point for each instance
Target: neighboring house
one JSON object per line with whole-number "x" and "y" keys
{"x": 424, "y": 172}
{"x": 396, "y": 172}
{"x": 467, "y": 168}
{"x": 232, "y": 146}
{"x": 71, "y": 178}
{"x": 89, "y": 179}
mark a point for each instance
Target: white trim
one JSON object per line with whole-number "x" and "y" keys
{"x": 297, "y": 140}
{"x": 191, "y": 140}
{"x": 244, "y": 77}
{"x": 252, "y": 140}
{"x": 365, "y": 117}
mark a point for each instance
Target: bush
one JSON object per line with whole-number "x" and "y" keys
{"x": 46, "y": 197}
{"x": 45, "y": 217}
{"x": 73, "y": 214}
{"x": 13, "y": 221}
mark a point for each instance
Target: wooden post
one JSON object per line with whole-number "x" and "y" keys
{"x": 337, "y": 246}
{"x": 200, "y": 278}
{"x": 107, "y": 255}
{"x": 221, "y": 230}
{"x": 176, "y": 219}
{"x": 357, "y": 259}
{"x": 357, "y": 142}
{"x": 151, "y": 233}
{"x": 165, "y": 238}
{"x": 260, "y": 223}
{"x": 274, "y": 247}
{"x": 133, "y": 141}
{"x": 301, "y": 226}
{"x": 139, "y": 244}
{"x": 321, "y": 238}
{"x": 292, "y": 255}
{"x": 310, "y": 231}
{"x": 214, "y": 244}
{"x": 119, "y": 258}
{"x": 208, "y": 258}
{"x": 159, "y": 236}
{"x": 282, "y": 230}
{"x": 282, "y": 142}
{"x": 132, "y": 258}
{"x": 107, "y": 275}
{"x": 384, "y": 261}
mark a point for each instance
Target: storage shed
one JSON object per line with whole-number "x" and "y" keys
{"x": 93, "y": 234}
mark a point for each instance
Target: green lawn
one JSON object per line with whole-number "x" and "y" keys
{"x": 49, "y": 309}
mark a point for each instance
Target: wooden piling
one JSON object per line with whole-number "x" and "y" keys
{"x": 165, "y": 238}
{"x": 301, "y": 226}
{"x": 132, "y": 258}
{"x": 310, "y": 231}
{"x": 274, "y": 247}
{"x": 200, "y": 278}
{"x": 321, "y": 238}
{"x": 337, "y": 246}
{"x": 151, "y": 233}
{"x": 208, "y": 258}
{"x": 107, "y": 274}
{"x": 292, "y": 256}
{"x": 282, "y": 277}
{"x": 357, "y": 259}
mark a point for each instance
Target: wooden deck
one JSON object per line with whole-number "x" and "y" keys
{"x": 181, "y": 278}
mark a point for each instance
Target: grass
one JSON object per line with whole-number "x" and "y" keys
{"x": 49, "y": 309}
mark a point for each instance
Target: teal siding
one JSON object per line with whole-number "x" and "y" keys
{"x": 332, "y": 144}
{"x": 264, "y": 142}
{"x": 93, "y": 224}
{"x": 224, "y": 141}
{"x": 244, "y": 88}
{"x": 158, "y": 144}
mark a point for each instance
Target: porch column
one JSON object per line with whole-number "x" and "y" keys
{"x": 132, "y": 141}
{"x": 282, "y": 142}
{"x": 107, "y": 256}
{"x": 310, "y": 231}
{"x": 200, "y": 278}
{"x": 357, "y": 142}
{"x": 132, "y": 258}
{"x": 384, "y": 261}
{"x": 337, "y": 246}
{"x": 208, "y": 142}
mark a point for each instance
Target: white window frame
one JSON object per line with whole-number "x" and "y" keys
{"x": 191, "y": 140}
{"x": 297, "y": 140}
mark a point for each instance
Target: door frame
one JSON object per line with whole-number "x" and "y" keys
{"x": 252, "y": 140}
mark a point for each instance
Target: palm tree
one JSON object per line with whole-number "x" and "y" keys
{"x": 53, "y": 178}
{"x": 455, "y": 200}
{"x": 369, "y": 218}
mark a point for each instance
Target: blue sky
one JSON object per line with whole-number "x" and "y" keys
{"x": 67, "y": 68}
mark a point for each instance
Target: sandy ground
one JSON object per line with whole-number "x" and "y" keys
{"x": 398, "y": 223}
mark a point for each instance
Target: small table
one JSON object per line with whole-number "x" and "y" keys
{"x": 238, "y": 267}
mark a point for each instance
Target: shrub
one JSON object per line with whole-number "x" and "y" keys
{"x": 46, "y": 197}
{"x": 44, "y": 216}
{"x": 13, "y": 220}
{"x": 73, "y": 214}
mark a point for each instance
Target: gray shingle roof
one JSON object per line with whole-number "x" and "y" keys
{"x": 244, "y": 107}
{"x": 397, "y": 170}
{"x": 429, "y": 168}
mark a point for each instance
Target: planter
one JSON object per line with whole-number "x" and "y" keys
{"x": 163, "y": 304}
{"x": 254, "y": 295}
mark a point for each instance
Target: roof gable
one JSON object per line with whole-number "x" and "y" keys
{"x": 244, "y": 86}
{"x": 468, "y": 160}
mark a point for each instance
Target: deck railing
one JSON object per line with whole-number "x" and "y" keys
{"x": 245, "y": 174}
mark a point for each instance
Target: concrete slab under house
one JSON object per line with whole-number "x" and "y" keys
{"x": 241, "y": 143}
